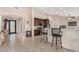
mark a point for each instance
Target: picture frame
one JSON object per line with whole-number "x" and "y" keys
{"x": 72, "y": 23}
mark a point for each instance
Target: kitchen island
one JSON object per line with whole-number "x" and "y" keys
{"x": 70, "y": 39}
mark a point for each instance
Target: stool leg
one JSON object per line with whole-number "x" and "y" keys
{"x": 52, "y": 40}
{"x": 61, "y": 42}
{"x": 56, "y": 42}
{"x": 41, "y": 39}
{"x": 47, "y": 38}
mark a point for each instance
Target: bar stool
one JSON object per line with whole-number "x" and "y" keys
{"x": 56, "y": 33}
{"x": 44, "y": 34}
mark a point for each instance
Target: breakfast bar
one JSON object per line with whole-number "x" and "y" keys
{"x": 70, "y": 39}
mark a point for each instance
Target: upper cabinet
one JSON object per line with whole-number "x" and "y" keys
{"x": 38, "y": 21}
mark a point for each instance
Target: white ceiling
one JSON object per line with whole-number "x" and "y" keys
{"x": 11, "y": 17}
{"x": 74, "y": 11}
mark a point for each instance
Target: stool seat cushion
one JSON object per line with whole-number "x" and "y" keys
{"x": 44, "y": 33}
{"x": 56, "y": 35}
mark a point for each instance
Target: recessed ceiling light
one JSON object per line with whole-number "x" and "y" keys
{"x": 65, "y": 11}
{"x": 61, "y": 8}
{"x": 70, "y": 13}
{"x": 69, "y": 18}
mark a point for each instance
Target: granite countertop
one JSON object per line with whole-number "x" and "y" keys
{"x": 70, "y": 29}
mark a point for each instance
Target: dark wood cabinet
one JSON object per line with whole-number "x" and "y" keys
{"x": 36, "y": 32}
{"x": 37, "y": 22}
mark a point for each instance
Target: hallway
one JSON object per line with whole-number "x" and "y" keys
{"x": 17, "y": 44}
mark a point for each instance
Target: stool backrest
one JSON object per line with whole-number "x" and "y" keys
{"x": 44, "y": 31}
{"x": 56, "y": 31}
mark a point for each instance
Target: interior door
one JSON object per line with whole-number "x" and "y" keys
{"x": 12, "y": 26}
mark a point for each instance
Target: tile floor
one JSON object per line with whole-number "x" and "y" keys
{"x": 17, "y": 44}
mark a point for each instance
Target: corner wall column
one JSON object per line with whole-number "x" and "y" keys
{"x": 32, "y": 23}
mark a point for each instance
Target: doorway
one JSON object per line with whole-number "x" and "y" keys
{"x": 12, "y": 26}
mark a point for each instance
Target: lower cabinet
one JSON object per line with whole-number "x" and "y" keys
{"x": 36, "y": 32}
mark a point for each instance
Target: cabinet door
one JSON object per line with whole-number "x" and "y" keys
{"x": 36, "y": 22}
